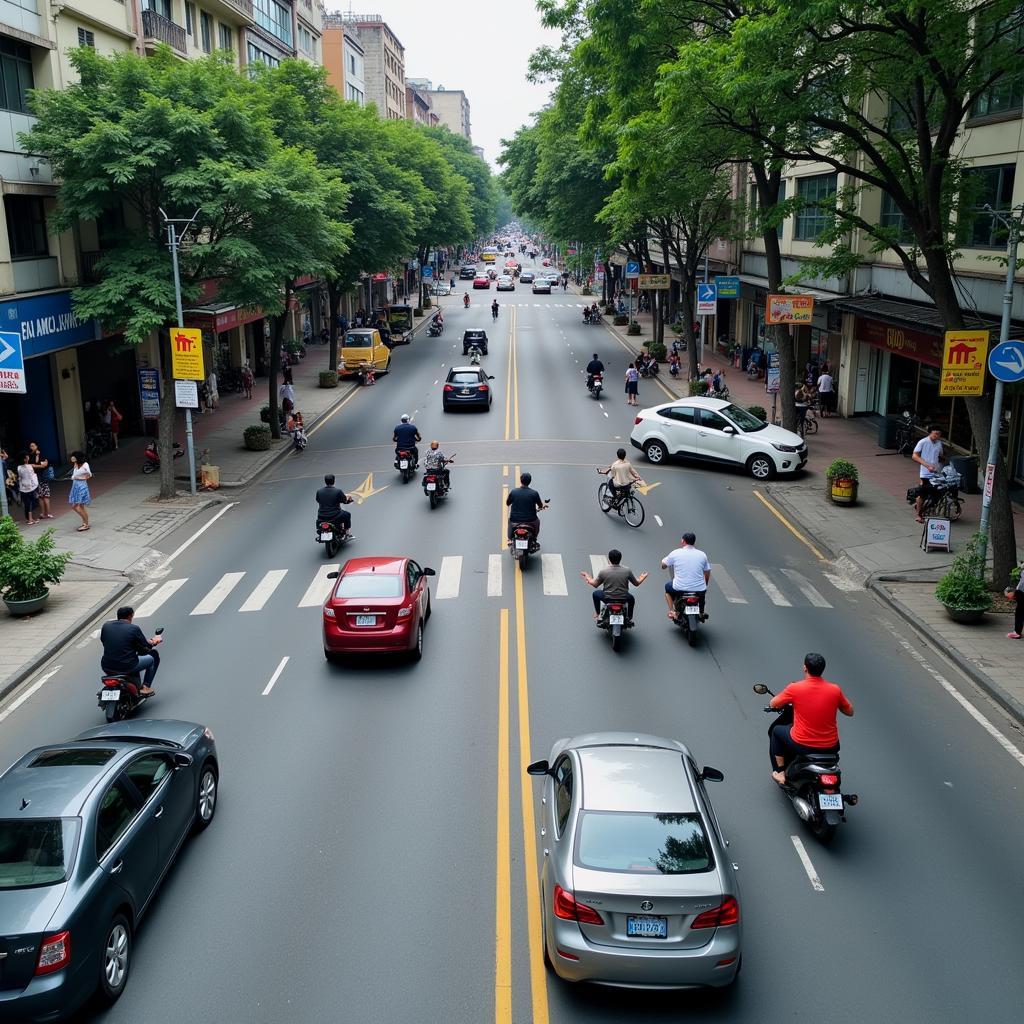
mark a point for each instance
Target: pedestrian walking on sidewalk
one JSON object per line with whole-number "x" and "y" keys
{"x": 44, "y": 472}
{"x": 79, "y": 499}
{"x": 826, "y": 391}
{"x": 287, "y": 395}
{"x": 632, "y": 384}
{"x": 247, "y": 380}
{"x": 115, "y": 422}
{"x": 928, "y": 454}
{"x": 1018, "y": 611}
{"x": 28, "y": 486}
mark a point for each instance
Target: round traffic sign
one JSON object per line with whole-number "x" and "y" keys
{"x": 1006, "y": 361}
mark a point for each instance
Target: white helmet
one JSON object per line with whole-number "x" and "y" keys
{"x": 405, "y": 417}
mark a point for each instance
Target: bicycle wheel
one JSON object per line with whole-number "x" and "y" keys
{"x": 604, "y": 497}
{"x": 955, "y": 510}
{"x": 632, "y": 511}
{"x": 810, "y": 425}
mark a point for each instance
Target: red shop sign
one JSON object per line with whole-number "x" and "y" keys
{"x": 902, "y": 341}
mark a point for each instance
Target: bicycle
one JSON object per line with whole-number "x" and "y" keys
{"x": 905, "y": 433}
{"x": 626, "y": 504}
{"x": 809, "y": 423}
{"x": 98, "y": 442}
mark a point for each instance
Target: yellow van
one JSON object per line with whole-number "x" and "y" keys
{"x": 360, "y": 347}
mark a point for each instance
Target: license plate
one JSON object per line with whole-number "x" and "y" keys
{"x": 522, "y": 545}
{"x": 464, "y": 391}
{"x": 616, "y": 620}
{"x": 647, "y": 927}
{"x": 431, "y": 487}
{"x": 326, "y": 535}
{"x": 110, "y": 695}
{"x": 404, "y": 464}
{"x": 692, "y": 609}
{"x": 830, "y": 801}
{"x": 366, "y": 620}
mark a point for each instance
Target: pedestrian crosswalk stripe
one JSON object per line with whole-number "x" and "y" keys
{"x": 215, "y": 598}
{"x": 316, "y": 593}
{"x": 807, "y": 588}
{"x": 553, "y": 576}
{"x": 597, "y": 563}
{"x": 726, "y": 584}
{"x": 494, "y": 570}
{"x": 162, "y": 593}
{"x": 773, "y": 592}
{"x": 266, "y": 586}
{"x": 448, "y": 577}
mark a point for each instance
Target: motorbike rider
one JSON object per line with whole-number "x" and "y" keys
{"x": 612, "y": 583}
{"x": 405, "y": 438}
{"x": 465, "y": 300}
{"x": 594, "y": 366}
{"x": 126, "y": 649}
{"x": 329, "y": 500}
{"x": 815, "y": 702}
{"x": 523, "y": 503}
{"x": 494, "y": 309}
{"x": 474, "y": 354}
{"x": 435, "y": 461}
{"x": 621, "y": 473}
{"x": 691, "y": 572}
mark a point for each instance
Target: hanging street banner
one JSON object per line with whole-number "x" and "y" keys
{"x": 789, "y": 309}
{"x": 149, "y": 392}
{"x": 728, "y": 287}
{"x": 655, "y": 281}
{"x": 964, "y": 357}
{"x": 187, "y": 353}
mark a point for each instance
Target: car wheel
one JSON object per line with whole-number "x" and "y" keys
{"x": 655, "y": 452}
{"x": 430, "y": 610}
{"x": 417, "y": 651}
{"x": 761, "y": 467}
{"x": 115, "y": 960}
{"x": 206, "y": 797}
{"x": 331, "y": 657}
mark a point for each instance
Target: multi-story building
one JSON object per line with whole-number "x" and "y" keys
{"x": 418, "y": 107}
{"x": 344, "y": 59}
{"x": 383, "y": 59}
{"x": 450, "y": 105}
{"x": 478, "y": 151}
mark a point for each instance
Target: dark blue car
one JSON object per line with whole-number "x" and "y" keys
{"x": 88, "y": 828}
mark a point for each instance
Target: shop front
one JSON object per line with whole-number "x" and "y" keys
{"x": 232, "y": 336}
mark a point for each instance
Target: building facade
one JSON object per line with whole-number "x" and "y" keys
{"x": 418, "y": 107}
{"x": 450, "y": 105}
{"x": 382, "y": 57}
{"x": 344, "y": 59}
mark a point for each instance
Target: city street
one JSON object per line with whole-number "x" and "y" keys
{"x": 375, "y": 854}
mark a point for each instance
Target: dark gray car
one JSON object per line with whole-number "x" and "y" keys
{"x": 88, "y": 829}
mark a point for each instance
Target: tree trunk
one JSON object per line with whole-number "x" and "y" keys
{"x": 276, "y": 338}
{"x": 333, "y": 307}
{"x": 166, "y": 420}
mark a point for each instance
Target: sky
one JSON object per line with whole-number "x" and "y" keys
{"x": 481, "y": 48}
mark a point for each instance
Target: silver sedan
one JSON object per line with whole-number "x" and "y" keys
{"x": 637, "y": 888}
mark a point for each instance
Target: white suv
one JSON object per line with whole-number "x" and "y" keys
{"x": 714, "y": 430}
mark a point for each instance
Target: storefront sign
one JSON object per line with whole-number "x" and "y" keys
{"x": 149, "y": 392}
{"x": 655, "y": 281}
{"x": 187, "y": 354}
{"x": 728, "y": 287}
{"x": 186, "y": 394}
{"x": 46, "y": 323}
{"x": 381, "y": 277}
{"x": 901, "y": 341}
{"x": 789, "y": 309}
{"x": 963, "y": 363}
{"x": 936, "y": 535}
{"x": 222, "y": 319}
{"x": 12, "y": 364}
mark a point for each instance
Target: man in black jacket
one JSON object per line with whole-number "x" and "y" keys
{"x": 329, "y": 500}
{"x": 523, "y": 504}
{"x": 126, "y": 649}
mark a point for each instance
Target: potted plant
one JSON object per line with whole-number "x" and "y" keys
{"x": 257, "y": 438}
{"x": 633, "y": 328}
{"x": 963, "y": 591}
{"x": 620, "y": 320}
{"x": 26, "y": 567}
{"x": 328, "y": 379}
{"x": 586, "y": 290}
{"x": 842, "y": 482}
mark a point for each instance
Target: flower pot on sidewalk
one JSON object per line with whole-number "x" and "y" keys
{"x": 842, "y": 479}
{"x": 328, "y": 379}
{"x": 28, "y": 607}
{"x": 26, "y": 567}
{"x": 963, "y": 591}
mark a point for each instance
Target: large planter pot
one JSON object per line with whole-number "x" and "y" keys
{"x": 842, "y": 491}
{"x": 29, "y": 607}
{"x": 967, "y": 616}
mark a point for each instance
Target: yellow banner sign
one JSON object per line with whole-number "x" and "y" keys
{"x": 789, "y": 309}
{"x": 964, "y": 356}
{"x": 187, "y": 354}
{"x": 657, "y": 281}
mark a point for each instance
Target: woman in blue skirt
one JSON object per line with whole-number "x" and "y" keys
{"x": 79, "y": 498}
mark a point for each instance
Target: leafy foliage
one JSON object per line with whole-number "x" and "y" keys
{"x": 841, "y": 469}
{"x": 963, "y": 588}
{"x": 26, "y": 567}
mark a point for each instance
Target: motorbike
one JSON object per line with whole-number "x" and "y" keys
{"x": 151, "y": 456}
{"x": 649, "y": 368}
{"x": 813, "y": 781}
{"x": 688, "y": 617}
{"x": 595, "y": 384}
{"x": 119, "y": 694}
{"x": 436, "y": 329}
{"x": 465, "y": 300}
{"x": 331, "y": 535}
{"x": 615, "y": 618}
{"x": 524, "y": 541}
{"x": 591, "y": 317}
{"x": 434, "y": 486}
{"x": 299, "y": 440}
{"x": 406, "y": 464}
{"x": 474, "y": 355}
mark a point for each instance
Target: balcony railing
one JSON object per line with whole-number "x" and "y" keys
{"x": 163, "y": 30}
{"x": 243, "y": 6}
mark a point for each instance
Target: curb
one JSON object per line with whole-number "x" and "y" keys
{"x": 1006, "y": 701}
{"x": 824, "y": 545}
{"x": 55, "y": 646}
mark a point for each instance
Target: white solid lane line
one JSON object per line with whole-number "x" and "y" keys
{"x": 277, "y": 675}
{"x": 808, "y": 866}
{"x": 195, "y": 536}
{"x": 773, "y": 592}
{"x": 494, "y": 564}
{"x": 448, "y": 577}
{"x": 657, "y": 518}
{"x": 597, "y": 563}
{"x": 553, "y": 576}
{"x": 807, "y": 588}
{"x": 213, "y": 600}
{"x": 266, "y": 586}
{"x": 28, "y": 693}
{"x": 162, "y": 593}
{"x": 726, "y": 584}
{"x": 316, "y": 593}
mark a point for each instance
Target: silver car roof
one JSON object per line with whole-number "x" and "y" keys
{"x": 628, "y": 777}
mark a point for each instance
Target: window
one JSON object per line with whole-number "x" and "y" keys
{"x": 26, "y": 227}
{"x": 712, "y": 421}
{"x": 117, "y": 811}
{"x": 161, "y": 7}
{"x": 680, "y": 413}
{"x": 275, "y": 18}
{"x": 307, "y": 41}
{"x": 812, "y": 219}
{"x": 1006, "y": 95}
{"x": 753, "y": 205}
{"x": 563, "y": 792}
{"x": 86, "y": 38}
{"x": 254, "y": 55}
{"x": 368, "y": 585}
{"x": 190, "y": 19}
{"x": 664, "y": 844}
{"x": 78, "y": 756}
{"x": 892, "y": 217}
{"x": 148, "y": 772}
{"x": 35, "y": 851}
{"x": 15, "y": 75}
{"x": 227, "y": 39}
{"x": 353, "y": 94}
{"x": 981, "y": 187}
{"x": 206, "y": 31}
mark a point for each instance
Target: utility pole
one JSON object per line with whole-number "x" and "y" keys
{"x": 703, "y": 319}
{"x": 173, "y": 237}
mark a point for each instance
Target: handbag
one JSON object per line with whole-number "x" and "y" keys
{"x": 48, "y": 473}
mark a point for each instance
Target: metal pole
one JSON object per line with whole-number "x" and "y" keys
{"x": 4, "y": 510}
{"x": 704, "y": 319}
{"x": 997, "y": 398}
{"x": 172, "y": 238}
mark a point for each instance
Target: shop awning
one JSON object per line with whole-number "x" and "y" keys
{"x": 816, "y": 294}
{"x": 917, "y": 315}
{"x": 221, "y": 316}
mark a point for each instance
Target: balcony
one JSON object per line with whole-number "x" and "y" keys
{"x": 158, "y": 29}
{"x": 239, "y": 8}
{"x": 36, "y": 275}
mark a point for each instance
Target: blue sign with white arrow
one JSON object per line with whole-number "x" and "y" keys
{"x": 426, "y": 271}
{"x": 1006, "y": 361}
{"x": 632, "y": 270}
{"x": 12, "y": 364}
{"x": 707, "y": 297}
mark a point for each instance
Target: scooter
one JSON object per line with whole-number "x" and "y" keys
{"x": 434, "y": 486}
{"x": 524, "y": 541}
{"x": 474, "y": 355}
{"x": 436, "y": 328}
{"x": 615, "y": 618}
{"x": 332, "y": 535}
{"x": 688, "y": 616}
{"x": 812, "y": 781}
{"x": 151, "y": 456}
{"x": 406, "y": 464}
{"x": 120, "y": 692}
{"x": 299, "y": 440}
{"x": 595, "y": 384}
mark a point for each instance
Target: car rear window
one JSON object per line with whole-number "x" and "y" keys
{"x": 89, "y": 756}
{"x": 369, "y": 584}
{"x": 35, "y": 851}
{"x": 464, "y": 378}
{"x": 659, "y": 844}
{"x": 358, "y": 340}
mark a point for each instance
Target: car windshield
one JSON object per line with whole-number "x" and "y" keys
{"x": 663, "y": 844}
{"x": 369, "y": 584}
{"x": 358, "y": 340}
{"x": 36, "y": 851}
{"x": 746, "y": 421}
{"x": 464, "y": 378}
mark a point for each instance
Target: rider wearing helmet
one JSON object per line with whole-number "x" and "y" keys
{"x": 405, "y": 438}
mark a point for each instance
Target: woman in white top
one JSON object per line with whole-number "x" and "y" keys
{"x": 28, "y": 487}
{"x": 79, "y": 498}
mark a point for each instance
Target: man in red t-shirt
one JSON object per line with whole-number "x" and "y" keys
{"x": 815, "y": 703}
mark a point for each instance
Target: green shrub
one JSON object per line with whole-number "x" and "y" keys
{"x": 698, "y": 387}
{"x": 418, "y": 311}
{"x": 633, "y": 329}
{"x": 840, "y": 469}
{"x": 657, "y": 349}
{"x": 586, "y": 290}
{"x": 620, "y": 320}
{"x": 759, "y": 411}
{"x": 328, "y": 379}
{"x": 963, "y": 588}
{"x": 257, "y": 438}
{"x": 27, "y": 566}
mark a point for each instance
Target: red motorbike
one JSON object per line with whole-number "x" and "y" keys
{"x": 151, "y": 456}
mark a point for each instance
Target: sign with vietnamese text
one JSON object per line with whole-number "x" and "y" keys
{"x": 186, "y": 394}
{"x": 149, "y": 392}
{"x": 773, "y": 380}
{"x": 655, "y": 281}
{"x": 12, "y": 364}
{"x": 789, "y": 309}
{"x": 707, "y": 297}
{"x": 187, "y": 353}
{"x": 936, "y": 535}
{"x": 964, "y": 356}
{"x": 728, "y": 287}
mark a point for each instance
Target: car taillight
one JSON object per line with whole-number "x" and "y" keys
{"x": 728, "y": 913}
{"x": 448, "y": 387}
{"x": 329, "y": 612}
{"x": 404, "y": 612}
{"x": 568, "y": 909}
{"x": 54, "y": 953}
{"x": 829, "y": 780}
{"x": 482, "y": 387}
{"x": 637, "y": 420}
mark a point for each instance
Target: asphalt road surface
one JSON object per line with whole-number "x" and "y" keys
{"x": 374, "y": 856}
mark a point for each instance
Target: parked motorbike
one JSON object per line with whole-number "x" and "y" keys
{"x": 434, "y": 486}
{"x": 615, "y": 618}
{"x": 649, "y": 368}
{"x": 688, "y": 617}
{"x": 595, "y": 383}
{"x": 120, "y": 692}
{"x": 406, "y": 464}
{"x": 812, "y": 781}
{"x": 332, "y": 535}
{"x": 151, "y": 456}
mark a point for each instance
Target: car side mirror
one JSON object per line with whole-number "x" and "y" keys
{"x": 491, "y": 377}
{"x": 709, "y": 774}
{"x": 760, "y": 688}
{"x": 728, "y": 430}
{"x": 428, "y": 571}
{"x": 538, "y": 768}
{"x": 332, "y": 575}
{"x": 182, "y": 760}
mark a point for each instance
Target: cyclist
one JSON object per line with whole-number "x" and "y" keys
{"x": 494, "y": 310}
{"x": 621, "y": 475}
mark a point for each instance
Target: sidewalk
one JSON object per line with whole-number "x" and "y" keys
{"x": 127, "y": 519}
{"x": 877, "y": 544}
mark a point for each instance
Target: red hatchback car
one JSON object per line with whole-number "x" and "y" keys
{"x": 377, "y": 604}
{"x": 482, "y": 281}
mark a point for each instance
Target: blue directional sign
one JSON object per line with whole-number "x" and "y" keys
{"x": 707, "y": 296}
{"x": 1006, "y": 361}
{"x": 12, "y": 364}
{"x": 426, "y": 271}
{"x": 632, "y": 270}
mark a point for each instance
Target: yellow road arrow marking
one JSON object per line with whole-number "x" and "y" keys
{"x": 645, "y": 489}
{"x": 366, "y": 489}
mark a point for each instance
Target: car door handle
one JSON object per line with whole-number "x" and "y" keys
{"x": 703, "y": 433}
{"x": 158, "y": 813}
{"x": 116, "y": 869}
